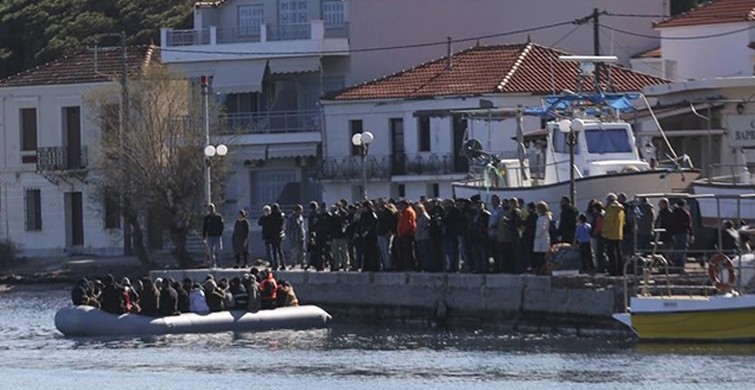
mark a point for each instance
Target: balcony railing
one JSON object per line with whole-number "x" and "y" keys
{"x": 188, "y": 37}
{"x": 383, "y": 167}
{"x": 339, "y": 31}
{"x": 289, "y": 32}
{"x": 270, "y": 122}
{"x": 237, "y": 35}
{"x": 61, "y": 158}
{"x": 313, "y": 30}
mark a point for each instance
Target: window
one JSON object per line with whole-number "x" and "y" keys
{"x": 401, "y": 190}
{"x": 433, "y": 190}
{"x": 293, "y": 12}
{"x": 600, "y": 141}
{"x": 423, "y": 134}
{"x": 28, "y": 129}
{"x": 355, "y": 126}
{"x": 333, "y": 13}
{"x": 33, "y": 208}
{"x": 251, "y": 18}
{"x": 112, "y": 210}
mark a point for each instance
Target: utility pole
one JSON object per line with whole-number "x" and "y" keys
{"x": 122, "y": 120}
{"x": 205, "y": 84}
{"x": 596, "y": 44}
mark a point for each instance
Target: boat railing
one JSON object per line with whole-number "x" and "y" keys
{"x": 729, "y": 174}
{"x": 649, "y": 270}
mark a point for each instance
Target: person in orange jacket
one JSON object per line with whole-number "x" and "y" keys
{"x": 269, "y": 291}
{"x": 407, "y": 225}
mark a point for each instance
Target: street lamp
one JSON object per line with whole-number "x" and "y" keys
{"x": 363, "y": 140}
{"x": 212, "y": 151}
{"x": 571, "y": 128}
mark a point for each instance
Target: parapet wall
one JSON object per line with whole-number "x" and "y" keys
{"x": 443, "y": 296}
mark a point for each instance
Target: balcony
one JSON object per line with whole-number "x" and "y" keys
{"x": 271, "y": 122}
{"x": 268, "y": 32}
{"x": 289, "y": 32}
{"x": 273, "y": 40}
{"x": 61, "y": 158}
{"x": 340, "y": 169}
{"x": 349, "y": 168}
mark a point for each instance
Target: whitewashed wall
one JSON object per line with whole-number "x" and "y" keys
{"x": 723, "y": 56}
{"x": 17, "y": 177}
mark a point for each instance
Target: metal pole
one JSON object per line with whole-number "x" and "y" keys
{"x": 364, "y": 171}
{"x": 206, "y": 118}
{"x": 572, "y": 186}
{"x": 127, "y": 248}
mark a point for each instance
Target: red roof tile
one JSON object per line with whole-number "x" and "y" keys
{"x": 517, "y": 68}
{"x": 652, "y": 53}
{"x": 79, "y": 68}
{"x": 718, "y": 11}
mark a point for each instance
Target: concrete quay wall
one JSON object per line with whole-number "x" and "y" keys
{"x": 441, "y": 297}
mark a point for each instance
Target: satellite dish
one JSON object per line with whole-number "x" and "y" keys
{"x": 472, "y": 149}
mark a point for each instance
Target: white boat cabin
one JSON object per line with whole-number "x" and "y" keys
{"x": 601, "y": 148}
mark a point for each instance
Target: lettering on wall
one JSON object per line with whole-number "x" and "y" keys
{"x": 741, "y": 131}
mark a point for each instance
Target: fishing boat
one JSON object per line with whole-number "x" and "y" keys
{"x": 90, "y": 321}
{"x": 727, "y": 180}
{"x": 716, "y": 304}
{"x": 587, "y": 151}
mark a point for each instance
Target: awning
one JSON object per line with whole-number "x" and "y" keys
{"x": 301, "y": 149}
{"x": 254, "y": 152}
{"x": 294, "y": 65}
{"x": 239, "y": 76}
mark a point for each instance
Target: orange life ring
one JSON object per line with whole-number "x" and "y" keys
{"x": 715, "y": 262}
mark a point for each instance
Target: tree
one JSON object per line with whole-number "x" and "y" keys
{"x": 155, "y": 165}
{"x": 679, "y": 6}
{"x": 33, "y": 32}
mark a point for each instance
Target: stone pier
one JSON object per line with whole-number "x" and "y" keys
{"x": 508, "y": 300}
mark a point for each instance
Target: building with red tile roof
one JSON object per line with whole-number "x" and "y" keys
{"x": 52, "y": 137}
{"x": 420, "y": 116}
{"x": 694, "y": 44}
{"x": 89, "y": 65}
{"x": 713, "y": 12}
{"x": 519, "y": 68}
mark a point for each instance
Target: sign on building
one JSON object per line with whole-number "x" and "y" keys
{"x": 741, "y": 131}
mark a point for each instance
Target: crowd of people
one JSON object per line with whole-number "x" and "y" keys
{"x": 458, "y": 235}
{"x": 254, "y": 291}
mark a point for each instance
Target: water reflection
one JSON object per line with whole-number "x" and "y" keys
{"x": 720, "y": 349}
{"x": 356, "y": 356}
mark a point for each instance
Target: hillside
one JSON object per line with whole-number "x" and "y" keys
{"x": 33, "y": 32}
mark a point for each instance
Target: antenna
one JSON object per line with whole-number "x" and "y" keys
{"x": 587, "y": 67}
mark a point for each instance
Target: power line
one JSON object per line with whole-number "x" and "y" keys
{"x": 577, "y": 27}
{"x": 371, "y": 49}
{"x": 687, "y": 38}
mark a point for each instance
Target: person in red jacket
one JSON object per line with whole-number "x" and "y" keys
{"x": 407, "y": 224}
{"x": 268, "y": 292}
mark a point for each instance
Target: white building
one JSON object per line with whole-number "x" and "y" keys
{"x": 49, "y": 143}
{"x": 270, "y": 61}
{"x": 418, "y": 134}
{"x": 708, "y": 51}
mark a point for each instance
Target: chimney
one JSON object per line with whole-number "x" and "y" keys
{"x": 450, "y": 58}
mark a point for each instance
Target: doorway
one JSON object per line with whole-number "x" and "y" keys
{"x": 461, "y": 163}
{"x": 74, "y": 219}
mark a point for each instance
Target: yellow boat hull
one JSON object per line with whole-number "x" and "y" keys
{"x": 723, "y": 325}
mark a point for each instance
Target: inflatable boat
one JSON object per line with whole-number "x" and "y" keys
{"x": 90, "y": 321}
